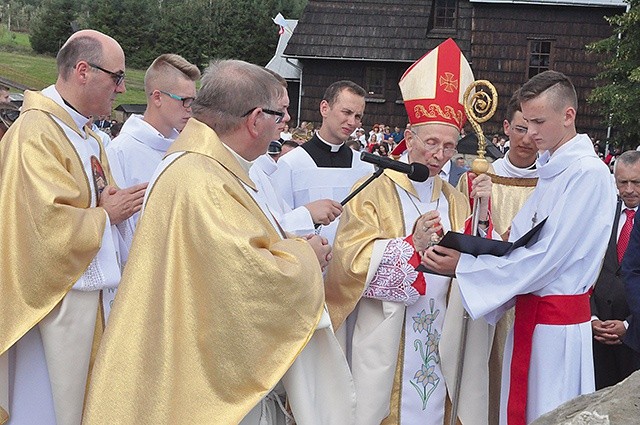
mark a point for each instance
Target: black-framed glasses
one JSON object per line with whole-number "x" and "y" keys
{"x": 118, "y": 77}
{"x": 186, "y": 101}
{"x": 278, "y": 114}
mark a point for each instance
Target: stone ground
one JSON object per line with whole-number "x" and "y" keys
{"x": 620, "y": 403}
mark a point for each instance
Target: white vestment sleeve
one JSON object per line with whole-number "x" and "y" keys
{"x": 282, "y": 182}
{"x": 104, "y": 270}
{"x": 565, "y": 258}
{"x": 394, "y": 275}
{"x": 298, "y": 221}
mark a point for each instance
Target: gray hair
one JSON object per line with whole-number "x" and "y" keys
{"x": 627, "y": 158}
{"x": 85, "y": 48}
{"x": 231, "y": 89}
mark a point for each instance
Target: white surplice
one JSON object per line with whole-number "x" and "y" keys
{"x": 565, "y": 259}
{"x": 136, "y": 152}
{"x": 298, "y": 180}
{"x": 504, "y": 167}
{"x": 297, "y": 221}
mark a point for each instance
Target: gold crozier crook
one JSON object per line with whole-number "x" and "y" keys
{"x": 479, "y": 108}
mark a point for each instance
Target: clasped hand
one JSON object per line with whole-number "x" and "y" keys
{"x": 321, "y": 247}
{"x": 121, "y": 204}
{"x": 426, "y": 228}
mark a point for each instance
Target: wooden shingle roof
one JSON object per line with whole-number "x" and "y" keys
{"x": 367, "y": 30}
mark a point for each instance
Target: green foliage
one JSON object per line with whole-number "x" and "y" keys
{"x": 52, "y": 25}
{"x": 199, "y": 30}
{"x": 619, "y": 97}
{"x": 133, "y": 24}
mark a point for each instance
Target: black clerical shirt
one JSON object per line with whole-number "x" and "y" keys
{"x": 321, "y": 154}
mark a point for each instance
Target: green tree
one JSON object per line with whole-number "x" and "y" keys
{"x": 133, "y": 23}
{"x": 619, "y": 97}
{"x": 52, "y": 25}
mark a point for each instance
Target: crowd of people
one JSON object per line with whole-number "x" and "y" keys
{"x": 200, "y": 263}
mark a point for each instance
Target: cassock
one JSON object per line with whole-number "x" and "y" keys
{"x": 318, "y": 171}
{"x": 136, "y": 152}
{"x": 296, "y": 221}
{"x": 404, "y": 349}
{"x": 511, "y": 187}
{"x": 563, "y": 261}
{"x": 58, "y": 252}
{"x": 215, "y": 310}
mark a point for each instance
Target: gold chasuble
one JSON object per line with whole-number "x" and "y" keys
{"x": 49, "y": 235}
{"x": 377, "y": 214}
{"x": 213, "y": 307}
{"x": 508, "y": 195}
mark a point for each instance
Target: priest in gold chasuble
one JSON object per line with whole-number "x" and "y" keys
{"x": 59, "y": 243}
{"x": 219, "y": 318}
{"x": 402, "y": 371}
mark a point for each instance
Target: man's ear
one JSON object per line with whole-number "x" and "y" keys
{"x": 324, "y": 108}
{"x": 408, "y": 138}
{"x": 81, "y": 71}
{"x": 569, "y": 116}
{"x": 156, "y": 98}
{"x": 506, "y": 127}
{"x": 252, "y": 121}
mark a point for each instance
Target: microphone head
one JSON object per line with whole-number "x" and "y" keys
{"x": 419, "y": 172}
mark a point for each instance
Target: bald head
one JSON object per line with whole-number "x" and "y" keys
{"x": 91, "y": 69}
{"x": 87, "y": 45}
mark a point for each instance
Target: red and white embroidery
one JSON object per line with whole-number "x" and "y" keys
{"x": 394, "y": 278}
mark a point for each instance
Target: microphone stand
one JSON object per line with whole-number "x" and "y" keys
{"x": 374, "y": 176}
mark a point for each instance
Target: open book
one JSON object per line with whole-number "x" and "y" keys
{"x": 475, "y": 245}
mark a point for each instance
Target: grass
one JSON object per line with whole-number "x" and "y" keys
{"x": 15, "y": 40}
{"x": 20, "y": 64}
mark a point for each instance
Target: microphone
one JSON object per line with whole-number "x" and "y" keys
{"x": 415, "y": 171}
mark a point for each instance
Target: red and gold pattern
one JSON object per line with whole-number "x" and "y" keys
{"x": 434, "y": 85}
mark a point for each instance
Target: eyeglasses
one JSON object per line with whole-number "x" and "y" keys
{"x": 520, "y": 130}
{"x": 118, "y": 77}
{"x": 435, "y": 147}
{"x": 278, "y": 114}
{"x": 186, "y": 101}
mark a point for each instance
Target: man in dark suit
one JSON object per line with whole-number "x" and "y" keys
{"x": 631, "y": 275}
{"x": 613, "y": 360}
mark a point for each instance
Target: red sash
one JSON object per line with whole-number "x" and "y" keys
{"x": 530, "y": 311}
